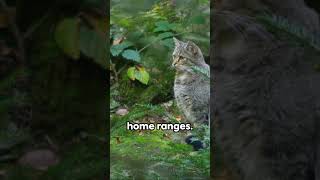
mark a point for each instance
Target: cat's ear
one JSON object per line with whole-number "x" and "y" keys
{"x": 176, "y": 41}
{"x": 192, "y": 47}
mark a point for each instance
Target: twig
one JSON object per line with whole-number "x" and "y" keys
{"x": 50, "y": 142}
{"x": 87, "y": 135}
{"x": 122, "y": 68}
{"x": 34, "y": 27}
{"x": 113, "y": 69}
{"x": 158, "y": 39}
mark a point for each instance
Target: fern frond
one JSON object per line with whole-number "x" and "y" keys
{"x": 300, "y": 33}
{"x": 203, "y": 71}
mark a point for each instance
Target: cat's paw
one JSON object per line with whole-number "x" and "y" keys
{"x": 195, "y": 143}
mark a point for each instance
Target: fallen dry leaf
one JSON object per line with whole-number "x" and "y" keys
{"x": 122, "y": 112}
{"x": 118, "y": 41}
{"x": 178, "y": 118}
{"x": 3, "y": 173}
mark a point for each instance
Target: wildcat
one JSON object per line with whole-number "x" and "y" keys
{"x": 266, "y": 102}
{"x": 191, "y": 88}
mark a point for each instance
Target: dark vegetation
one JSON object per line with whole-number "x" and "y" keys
{"x": 265, "y": 64}
{"x": 53, "y": 89}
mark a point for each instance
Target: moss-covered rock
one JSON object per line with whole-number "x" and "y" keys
{"x": 160, "y": 89}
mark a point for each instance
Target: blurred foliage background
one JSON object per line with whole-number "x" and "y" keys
{"x": 53, "y": 66}
{"x": 141, "y": 36}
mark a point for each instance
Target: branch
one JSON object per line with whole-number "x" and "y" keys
{"x": 113, "y": 69}
{"x": 158, "y": 39}
{"x": 34, "y": 27}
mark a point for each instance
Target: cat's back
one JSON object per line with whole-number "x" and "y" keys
{"x": 266, "y": 106}
{"x": 193, "y": 84}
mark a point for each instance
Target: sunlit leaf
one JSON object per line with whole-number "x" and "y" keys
{"x": 67, "y": 37}
{"x": 131, "y": 55}
{"x": 143, "y": 76}
{"x": 139, "y": 73}
{"x": 131, "y": 72}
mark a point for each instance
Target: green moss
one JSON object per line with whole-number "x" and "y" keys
{"x": 149, "y": 154}
{"x": 158, "y": 90}
{"x": 82, "y": 161}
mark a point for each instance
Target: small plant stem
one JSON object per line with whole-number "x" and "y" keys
{"x": 114, "y": 71}
{"x": 158, "y": 39}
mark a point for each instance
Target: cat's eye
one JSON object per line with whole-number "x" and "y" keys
{"x": 179, "y": 58}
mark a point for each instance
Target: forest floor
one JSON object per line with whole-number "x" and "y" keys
{"x": 78, "y": 159}
{"x": 153, "y": 154}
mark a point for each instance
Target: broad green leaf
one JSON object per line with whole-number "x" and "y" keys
{"x": 167, "y": 42}
{"x": 117, "y": 49}
{"x": 143, "y": 76}
{"x": 162, "y": 23}
{"x": 158, "y": 29}
{"x": 164, "y": 26}
{"x": 131, "y": 55}
{"x": 165, "y": 35}
{"x": 138, "y": 73}
{"x": 131, "y": 73}
{"x": 203, "y": 71}
{"x": 67, "y": 37}
{"x": 93, "y": 45}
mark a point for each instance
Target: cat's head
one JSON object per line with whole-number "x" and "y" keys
{"x": 186, "y": 54}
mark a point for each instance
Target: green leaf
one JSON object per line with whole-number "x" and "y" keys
{"x": 167, "y": 42}
{"x": 203, "y": 71}
{"x": 131, "y": 55}
{"x": 131, "y": 73}
{"x": 164, "y": 26}
{"x": 138, "y": 73}
{"x": 67, "y": 37}
{"x": 117, "y": 49}
{"x": 143, "y": 76}
{"x": 165, "y": 35}
{"x": 94, "y": 46}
